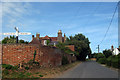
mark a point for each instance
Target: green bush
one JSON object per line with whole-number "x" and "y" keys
{"x": 107, "y": 53}
{"x": 99, "y": 55}
{"x": 64, "y": 60}
{"x": 114, "y": 62}
{"x": 41, "y": 75}
{"x": 108, "y": 62}
{"x": 102, "y": 60}
{"x": 26, "y": 68}
{"x": 118, "y": 61}
{"x": 7, "y": 66}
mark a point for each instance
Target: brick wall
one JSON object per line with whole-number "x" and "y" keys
{"x": 70, "y": 58}
{"x": 0, "y": 54}
{"x": 71, "y": 47}
{"x": 14, "y": 54}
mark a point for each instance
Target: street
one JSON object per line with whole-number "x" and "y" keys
{"x": 90, "y": 69}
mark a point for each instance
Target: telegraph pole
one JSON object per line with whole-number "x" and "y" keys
{"x": 98, "y": 48}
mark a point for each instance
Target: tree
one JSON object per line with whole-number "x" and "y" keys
{"x": 107, "y": 53}
{"x": 81, "y": 44}
{"x": 93, "y": 55}
{"x": 48, "y": 41}
{"x": 12, "y": 39}
{"x": 99, "y": 55}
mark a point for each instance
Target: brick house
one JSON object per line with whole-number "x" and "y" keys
{"x": 52, "y": 40}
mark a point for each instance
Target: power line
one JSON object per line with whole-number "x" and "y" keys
{"x": 110, "y": 23}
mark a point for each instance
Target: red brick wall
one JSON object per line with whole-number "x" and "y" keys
{"x": 0, "y": 54}
{"x": 14, "y": 54}
{"x": 70, "y": 58}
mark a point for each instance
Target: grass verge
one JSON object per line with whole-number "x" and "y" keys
{"x": 39, "y": 72}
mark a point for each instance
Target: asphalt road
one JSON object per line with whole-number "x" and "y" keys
{"x": 90, "y": 69}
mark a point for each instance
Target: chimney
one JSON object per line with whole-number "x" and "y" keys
{"x": 37, "y": 35}
{"x": 59, "y": 38}
{"x": 112, "y": 48}
{"x": 64, "y": 37}
{"x": 32, "y": 37}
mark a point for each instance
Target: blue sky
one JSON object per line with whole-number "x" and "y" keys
{"x": 89, "y": 18}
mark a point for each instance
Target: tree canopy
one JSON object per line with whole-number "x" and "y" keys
{"x": 107, "y": 53}
{"x": 81, "y": 44}
{"x": 12, "y": 39}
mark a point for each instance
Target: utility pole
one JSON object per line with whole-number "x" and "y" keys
{"x": 98, "y": 48}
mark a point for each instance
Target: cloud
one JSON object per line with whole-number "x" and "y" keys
{"x": 13, "y": 13}
{"x": 16, "y": 9}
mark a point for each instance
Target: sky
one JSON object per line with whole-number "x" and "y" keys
{"x": 89, "y": 18}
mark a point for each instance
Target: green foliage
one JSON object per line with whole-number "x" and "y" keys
{"x": 48, "y": 41}
{"x": 108, "y": 62}
{"x": 27, "y": 68}
{"x": 107, "y": 53}
{"x": 28, "y": 74}
{"x": 63, "y": 48}
{"x": 99, "y": 55}
{"x": 34, "y": 56}
{"x": 5, "y": 72}
{"x": 114, "y": 62}
{"x": 81, "y": 44}
{"x": 22, "y": 41}
{"x": 8, "y": 67}
{"x": 41, "y": 75}
{"x": 12, "y": 39}
{"x": 64, "y": 60}
{"x": 37, "y": 73}
{"x": 102, "y": 60}
{"x": 93, "y": 55}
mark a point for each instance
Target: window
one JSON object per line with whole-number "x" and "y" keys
{"x": 45, "y": 42}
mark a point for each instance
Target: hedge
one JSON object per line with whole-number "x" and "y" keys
{"x": 102, "y": 60}
{"x": 113, "y": 61}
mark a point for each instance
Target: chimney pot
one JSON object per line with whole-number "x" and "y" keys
{"x": 32, "y": 37}
{"x": 112, "y": 48}
{"x": 37, "y": 35}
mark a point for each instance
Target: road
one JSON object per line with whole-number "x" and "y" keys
{"x": 90, "y": 69}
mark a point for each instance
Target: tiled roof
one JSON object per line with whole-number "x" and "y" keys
{"x": 53, "y": 38}
{"x": 35, "y": 41}
{"x": 46, "y": 37}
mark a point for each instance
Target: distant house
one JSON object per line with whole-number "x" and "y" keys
{"x": 115, "y": 51}
{"x": 52, "y": 40}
